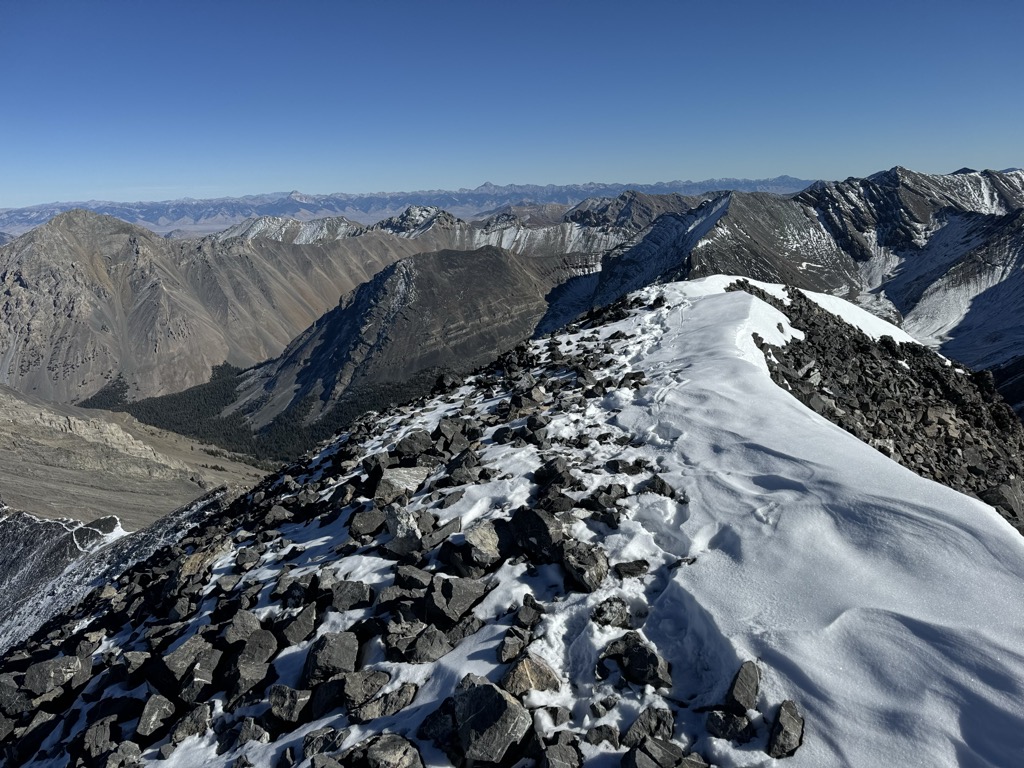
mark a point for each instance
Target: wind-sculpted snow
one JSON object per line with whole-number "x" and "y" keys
{"x": 852, "y": 578}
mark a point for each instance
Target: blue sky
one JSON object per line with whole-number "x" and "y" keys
{"x": 154, "y": 100}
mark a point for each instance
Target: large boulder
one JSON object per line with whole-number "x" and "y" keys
{"x": 787, "y": 731}
{"x": 330, "y": 654}
{"x": 638, "y": 661}
{"x": 45, "y": 676}
{"x": 530, "y": 673}
{"x": 480, "y": 723}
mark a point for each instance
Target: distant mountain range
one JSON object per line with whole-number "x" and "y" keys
{"x": 184, "y": 217}
{"x": 941, "y": 255}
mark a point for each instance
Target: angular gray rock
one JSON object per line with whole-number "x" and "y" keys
{"x": 98, "y": 739}
{"x": 243, "y": 676}
{"x": 299, "y": 628}
{"x": 194, "y": 723}
{"x": 156, "y": 712}
{"x": 323, "y": 740}
{"x": 366, "y": 522}
{"x": 787, "y": 731}
{"x": 360, "y": 687}
{"x": 742, "y": 694}
{"x": 388, "y": 750}
{"x": 178, "y": 662}
{"x": 13, "y": 701}
{"x": 633, "y": 569}
{"x": 585, "y": 564}
{"x": 489, "y": 721}
{"x": 513, "y": 644}
{"x": 288, "y": 704}
{"x": 603, "y": 733}
{"x": 385, "y": 705}
{"x": 729, "y": 726}
{"x": 448, "y": 600}
{"x": 538, "y": 534}
{"x": 330, "y": 654}
{"x": 430, "y": 645}
{"x": 564, "y": 753}
{"x": 259, "y": 647}
{"x": 530, "y": 673}
{"x": 44, "y": 676}
{"x": 250, "y": 730}
{"x": 348, "y": 595}
{"x": 242, "y": 624}
{"x": 127, "y": 754}
{"x": 661, "y": 753}
{"x": 639, "y": 662}
{"x": 396, "y": 481}
{"x": 613, "y": 612}
{"x": 655, "y": 722}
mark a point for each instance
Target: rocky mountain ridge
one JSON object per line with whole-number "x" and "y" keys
{"x": 447, "y": 310}
{"x": 198, "y": 217}
{"x": 88, "y": 298}
{"x": 635, "y": 240}
{"x": 915, "y": 248}
{"x": 588, "y": 551}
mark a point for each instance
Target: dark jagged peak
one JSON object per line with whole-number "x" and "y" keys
{"x": 631, "y": 210}
{"x": 523, "y": 213}
{"x": 966, "y": 189}
{"x": 502, "y": 220}
{"x": 417, "y": 219}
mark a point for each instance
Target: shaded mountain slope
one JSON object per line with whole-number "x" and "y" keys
{"x": 450, "y": 310}
{"x": 87, "y": 297}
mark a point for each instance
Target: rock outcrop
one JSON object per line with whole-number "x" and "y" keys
{"x": 941, "y": 420}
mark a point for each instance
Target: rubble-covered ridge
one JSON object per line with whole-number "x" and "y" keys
{"x": 422, "y": 577}
{"x": 620, "y": 545}
{"x": 941, "y": 420}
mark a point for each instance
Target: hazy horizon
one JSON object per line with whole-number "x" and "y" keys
{"x": 125, "y": 101}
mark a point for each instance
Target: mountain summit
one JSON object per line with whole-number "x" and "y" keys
{"x": 606, "y": 547}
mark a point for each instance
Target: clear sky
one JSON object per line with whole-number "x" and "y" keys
{"x": 153, "y": 100}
